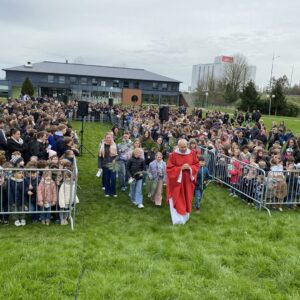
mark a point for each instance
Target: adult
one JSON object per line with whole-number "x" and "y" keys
{"x": 124, "y": 151}
{"x": 14, "y": 143}
{"x": 107, "y": 154}
{"x": 3, "y": 139}
{"x": 182, "y": 168}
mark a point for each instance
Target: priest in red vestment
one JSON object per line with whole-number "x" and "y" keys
{"x": 182, "y": 169}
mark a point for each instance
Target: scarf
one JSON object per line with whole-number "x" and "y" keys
{"x": 20, "y": 141}
{"x": 112, "y": 150}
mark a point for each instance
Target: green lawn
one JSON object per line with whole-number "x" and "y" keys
{"x": 229, "y": 251}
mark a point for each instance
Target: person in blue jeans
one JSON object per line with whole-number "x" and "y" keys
{"x": 202, "y": 178}
{"x": 135, "y": 168}
{"x": 124, "y": 151}
{"x": 108, "y": 154}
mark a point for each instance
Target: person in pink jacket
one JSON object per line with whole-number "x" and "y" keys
{"x": 235, "y": 173}
{"x": 47, "y": 196}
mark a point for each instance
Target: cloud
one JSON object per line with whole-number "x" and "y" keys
{"x": 165, "y": 37}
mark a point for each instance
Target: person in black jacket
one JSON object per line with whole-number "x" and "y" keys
{"x": 14, "y": 143}
{"x": 38, "y": 146}
{"x": 136, "y": 167}
{"x": 3, "y": 139}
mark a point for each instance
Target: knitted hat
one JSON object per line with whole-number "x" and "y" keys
{"x": 16, "y": 159}
{"x": 52, "y": 153}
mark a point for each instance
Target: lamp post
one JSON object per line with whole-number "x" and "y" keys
{"x": 270, "y": 103}
{"x": 206, "y": 95}
{"x": 274, "y": 57}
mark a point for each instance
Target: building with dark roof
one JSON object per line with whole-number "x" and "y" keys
{"x": 94, "y": 83}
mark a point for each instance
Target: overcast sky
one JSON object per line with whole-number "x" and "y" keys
{"x": 162, "y": 36}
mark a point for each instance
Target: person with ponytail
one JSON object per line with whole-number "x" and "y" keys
{"x": 108, "y": 154}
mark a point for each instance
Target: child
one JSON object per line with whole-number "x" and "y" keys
{"x": 3, "y": 199}
{"x": 202, "y": 178}
{"x": 47, "y": 196}
{"x": 66, "y": 190}
{"x": 135, "y": 168}
{"x": 16, "y": 196}
{"x": 31, "y": 184}
{"x": 235, "y": 172}
{"x": 157, "y": 169}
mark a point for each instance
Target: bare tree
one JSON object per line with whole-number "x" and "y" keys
{"x": 236, "y": 76}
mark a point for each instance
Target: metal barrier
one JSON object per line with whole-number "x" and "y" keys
{"x": 43, "y": 194}
{"x": 244, "y": 180}
{"x": 282, "y": 189}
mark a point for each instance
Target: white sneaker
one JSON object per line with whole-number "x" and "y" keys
{"x": 134, "y": 203}
{"x": 106, "y": 196}
{"x": 140, "y": 206}
{"x": 23, "y": 222}
{"x": 235, "y": 196}
{"x": 99, "y": 173}
{"x": 115, "y": 196}
{"x": 18, "y": 223}
{"x": 280, "y": 209}
{"x": 103, "y": 188}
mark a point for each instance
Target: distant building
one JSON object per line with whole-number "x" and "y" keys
{"x": 204, "y": 72}
{"x": 93, "y": 83}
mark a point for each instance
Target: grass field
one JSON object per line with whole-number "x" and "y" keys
{"x": 229, "y": 251}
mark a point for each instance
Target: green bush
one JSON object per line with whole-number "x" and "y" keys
{"x": 290, "y": 109}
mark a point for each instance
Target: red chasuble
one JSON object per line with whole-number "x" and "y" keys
{"x": 182, "y": 192}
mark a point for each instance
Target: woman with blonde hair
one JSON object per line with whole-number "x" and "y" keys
{"x": 107, "y": 154}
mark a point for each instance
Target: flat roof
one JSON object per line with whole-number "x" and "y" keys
{"x": 92, "y": 71}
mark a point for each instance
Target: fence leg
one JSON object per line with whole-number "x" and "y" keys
{"x": 72, "y": 222}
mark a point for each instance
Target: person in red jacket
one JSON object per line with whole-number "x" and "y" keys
{"x": 182, "y": 169}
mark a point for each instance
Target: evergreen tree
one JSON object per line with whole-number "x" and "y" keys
{"x": 279, "y": 101}
{"x": 249, "y": 97}
{"x": 27, "y": 87}
{"x": 230, "y": 94}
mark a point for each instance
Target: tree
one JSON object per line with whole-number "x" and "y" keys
{"x": 279, "y": 101}
{"x": 235, "y": 77}
{"x": 215, "y": 89}
{"x": 27, "y": 87}
{"x": 249, "y": 96}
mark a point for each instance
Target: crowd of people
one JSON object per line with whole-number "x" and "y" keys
{"x": 141, "y": 152}
{"x": 37, "y": 161}
{"x": 242, "y": 139}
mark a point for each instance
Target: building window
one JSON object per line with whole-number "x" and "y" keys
{"x": 50, "y": 78}
{"x": 168, "y": 100}
{"x": 164, "y": 86}
{"x": 116, "y": 83}
{"x": 174, "y": 87}
{"x": 136, "y": 85}
{"x": 83, "y": 80}
{"x": 150, "y": 99}
{"x": 103, "y": 83}
{"x": 155, "y": 86}
{"x": 73, "y": 79}
{"x": 126, "y": 84}
{"x": 61, "y": 79}
{"x": 94, "y": 81}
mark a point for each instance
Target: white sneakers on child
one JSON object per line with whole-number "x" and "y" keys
{"x": 140, "y": 206}
{"x": 20, "y": 223}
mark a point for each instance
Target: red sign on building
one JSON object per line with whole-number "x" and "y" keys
{"x": 227, "y": 59}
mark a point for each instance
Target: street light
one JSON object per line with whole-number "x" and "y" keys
{"x": 270, "y": 103}
{"x": 274, "y": 57}
{"x": 206, "y": 95}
